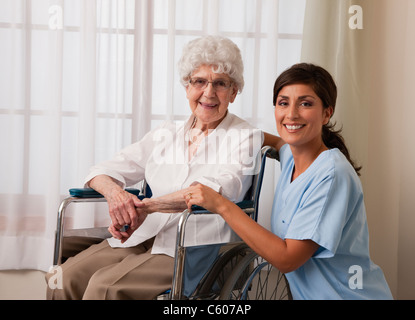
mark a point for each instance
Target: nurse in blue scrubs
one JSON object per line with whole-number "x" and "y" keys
{"x": 319, "y": 236}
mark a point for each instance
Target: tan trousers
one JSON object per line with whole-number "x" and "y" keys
{"x": 101, "y": 272}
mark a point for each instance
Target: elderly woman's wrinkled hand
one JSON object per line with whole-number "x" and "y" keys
{"x": 123, "y": 212}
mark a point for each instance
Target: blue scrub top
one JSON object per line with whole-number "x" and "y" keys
{"x": 325, "y": 204}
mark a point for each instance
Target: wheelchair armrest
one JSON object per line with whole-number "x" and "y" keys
{"x": 83, "y": 195}
{"x": 91, "y": 193}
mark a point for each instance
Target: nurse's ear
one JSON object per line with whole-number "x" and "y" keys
{"x": 327, "y": 114}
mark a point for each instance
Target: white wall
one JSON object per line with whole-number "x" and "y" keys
{"x": 374, "y": 70}
{"x": 390, "y": 179}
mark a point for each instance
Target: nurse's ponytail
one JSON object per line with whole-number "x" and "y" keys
{"x": 324, "y": 86}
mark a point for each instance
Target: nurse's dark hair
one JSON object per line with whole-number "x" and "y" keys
{"x": 324, "y": 86}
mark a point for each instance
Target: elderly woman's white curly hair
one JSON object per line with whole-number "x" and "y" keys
{"x": 221, "y": 53}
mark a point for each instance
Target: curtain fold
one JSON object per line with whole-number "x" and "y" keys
{"x": 328, "y": 41}
{"x": 373, "y": 68}
{"x": 142, "y": 72}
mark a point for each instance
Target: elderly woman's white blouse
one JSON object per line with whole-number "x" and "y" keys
{"x": 224, "y": 161}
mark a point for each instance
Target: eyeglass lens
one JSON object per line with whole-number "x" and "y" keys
{"x": 219, "y": 84}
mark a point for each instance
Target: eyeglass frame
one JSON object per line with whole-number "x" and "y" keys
{"x": 216, "y": 87}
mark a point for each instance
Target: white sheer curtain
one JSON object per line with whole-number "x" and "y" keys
{"x": 80, "y": 79}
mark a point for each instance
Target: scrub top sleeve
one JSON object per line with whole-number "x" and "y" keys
{"x": 322, "y": 215}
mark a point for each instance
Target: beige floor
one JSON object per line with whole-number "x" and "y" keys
{"x": 22, "y": 285}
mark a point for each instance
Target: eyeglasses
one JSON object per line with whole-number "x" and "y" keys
{"x": 219, "y": 84}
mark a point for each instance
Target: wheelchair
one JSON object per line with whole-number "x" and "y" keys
{"x": 233, "y": 271}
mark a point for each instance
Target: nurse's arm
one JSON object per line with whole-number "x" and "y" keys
{"x": 286, "y": 255}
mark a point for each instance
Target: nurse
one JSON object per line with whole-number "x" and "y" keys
{"x": 319, "y": 235}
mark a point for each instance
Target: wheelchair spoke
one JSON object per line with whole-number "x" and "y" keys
{"x": 256, "y": 279}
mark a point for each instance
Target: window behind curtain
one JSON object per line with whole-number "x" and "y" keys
{"x": 29, "y": 47}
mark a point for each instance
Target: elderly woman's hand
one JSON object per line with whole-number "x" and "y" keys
{"x": 123, "y": 212}
{"x": 122, "y": 206}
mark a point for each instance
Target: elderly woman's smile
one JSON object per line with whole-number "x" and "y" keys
{"x": 209, "y": 94}
{"x": 207, "y": 105}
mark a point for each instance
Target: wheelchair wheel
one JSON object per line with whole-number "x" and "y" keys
{"x": 255, "y": 279}
{"x": 212, "y": 283}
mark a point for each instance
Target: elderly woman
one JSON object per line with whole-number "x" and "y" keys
{"x": 213, "y": 147}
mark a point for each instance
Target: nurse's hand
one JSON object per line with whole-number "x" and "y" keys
{"x": 205, "y": 197}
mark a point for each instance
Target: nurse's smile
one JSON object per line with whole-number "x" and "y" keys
{"x": 292, "y": 128}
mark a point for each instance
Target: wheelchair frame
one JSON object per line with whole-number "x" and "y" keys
{"x": 249, "y": 206}
{"x": 85, "y": 195}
